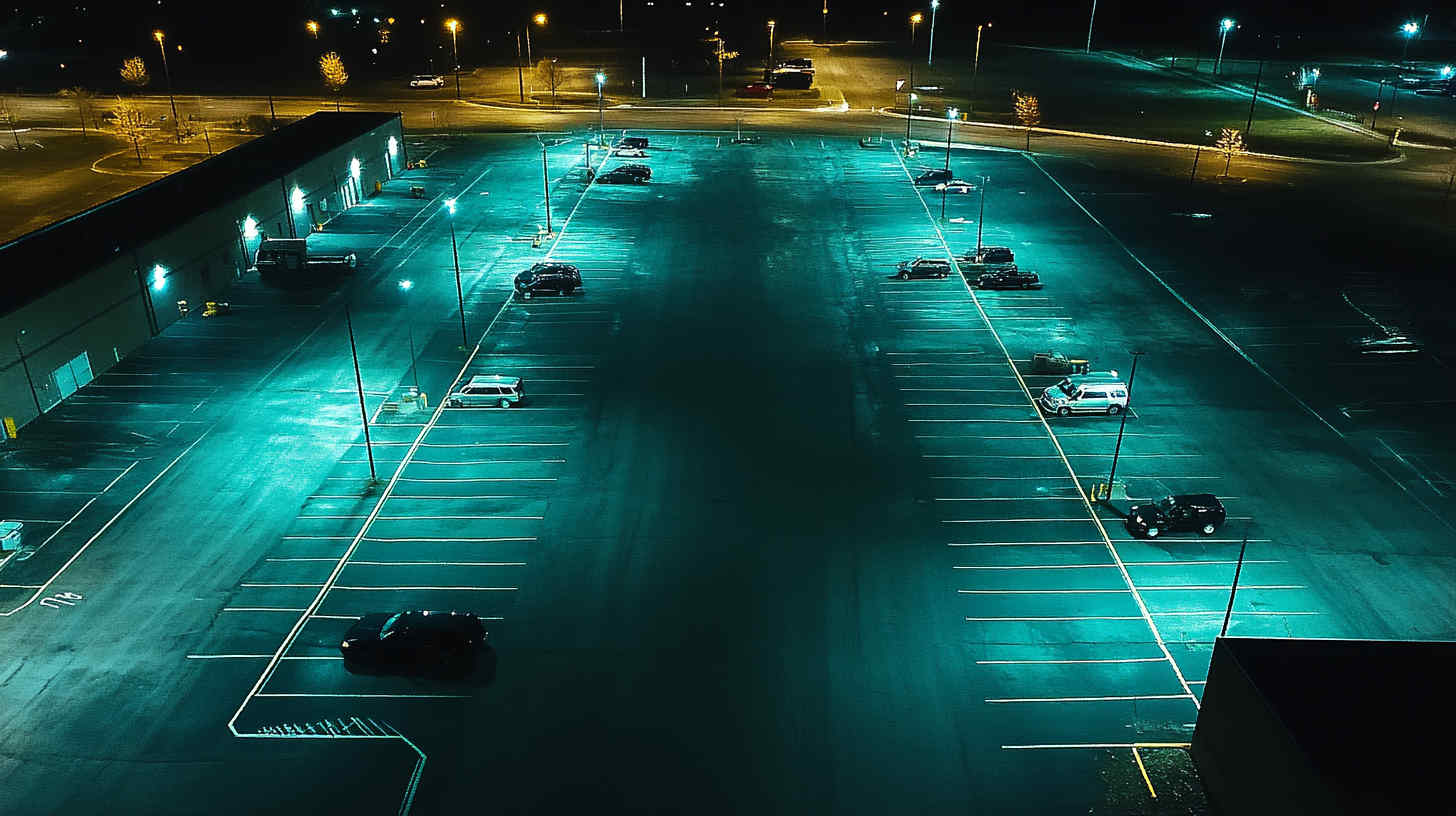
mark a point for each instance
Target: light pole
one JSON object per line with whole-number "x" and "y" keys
{"x": 546, "y": 186}
{"x": 1224, "y": 27}
{"x": 26, "y": 367}
{"x": 454, "y": 26}
{"x": 1253, "y": 98}
{"x": 981, "y": 218}
{"x": 1234, "y": 588}
{"x": 768, "y": 66}
{"x": 1409, "y": 29}
{"x": 914, "y": 21}
{"x": 359, "y": 383}
{"x": 601, "y": 81}
{"x": 976, "y": 65}
{"x": 930, "y": 55}
{"x": 1123, "y": 426}
{"x": 405, "y": 286}
{"x": 1090, "y": 20}
{"x": 459, "y": 291}
{"x": 540, "y": 20}
{"x": 824, "y": 15}
{"x": 161, "y": 39}
{"x": 909, "y": 108}
{"x": 1192, "y": 174}
{"x": 313, "y": 28}
{"x": 950, "y": 115}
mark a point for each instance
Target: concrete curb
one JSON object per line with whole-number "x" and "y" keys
{"x": 1107, "y": 137}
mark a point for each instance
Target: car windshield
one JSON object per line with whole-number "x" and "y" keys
{"x": 1167, "y": 503}
{"x": 1067, "y": 388}
{"x": 391, "y": 626}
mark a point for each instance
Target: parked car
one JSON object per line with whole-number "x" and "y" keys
{"x": 1009, "y": 277}
{"x": 413, "y": 642}
{"x": 1196, "y": 511}
{"x": 1393, "y": 342}
{"x": 485, "y": 390}
{"x": 988, "y": 255}
{"x": 757, "y": 90}
{"x": 923, "y": 268}
{"x": 427, "y": 81}
{"x": 627, "y": 174}
{"x": 1098, "y": 393}
{"x": 930, "y": 178}
{"x": 955, "y": 186}
{"x": 629, "y": 152}
{"x": 1055, "y": 362}
{"x": 548, "y": 279}
{"x": 639, "y": 142}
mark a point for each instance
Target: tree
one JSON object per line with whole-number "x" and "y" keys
{"x": 134, "y": 72}
{"x": 722, "y": 55}
{"x": 550, "y": 76}
{"x": 84, "y": 101}
{"x": 1028, "y": 113}
{"x": 331, "y": 68}
{"x": 1230, "y": 141}
{"x": 130, "y": 122}
{"x": 7, "y": 116}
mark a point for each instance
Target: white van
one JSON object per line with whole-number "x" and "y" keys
{"x": 1100, "y": 392}
{"x": 489, "y": 389}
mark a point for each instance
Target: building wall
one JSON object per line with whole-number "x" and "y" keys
{"x": 116, "y": 308}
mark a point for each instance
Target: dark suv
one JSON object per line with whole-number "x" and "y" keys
{"x": 923, "y": 268}
{"x": 930, "y": 178}
{"x": 626, "y": 174}
{"x": 1009, "y": 277}
{"x": 1196, "y": 511}
{"x": 639, "y": 142}
{"x": 548, "y": 279}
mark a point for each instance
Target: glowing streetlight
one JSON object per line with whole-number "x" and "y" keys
{"x": 405, "y": 286}
{"x": 453, "y": 26}
{"x": 161, "y": 39}
{"x": 934, "y": 6}
{"x": 950, "y": 115}
{"x": 976, "y": 65}
{"x": 313, "y": 28}
{"x": 1224, "y": 27}
{"x": 1447, "y": 71}
{"x": 771, "y": 25}
{"x": 540, "y": 20}
{"x": 455, "y": 254}
{"x": 914, "y": 21}
{"x": 601, "y": 79}
{"x": 1409, "y": 29}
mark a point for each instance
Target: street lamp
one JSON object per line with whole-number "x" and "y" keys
{"x": 161, "y": 39}
{"x": 981, "y": 218}
{"x": 914, "y": 21}
{"x": 313, "y": 28}
{"x": 909, "y": 108}
{"x": 769, "y": 65}
{"x": 1090, "y": 20}
{"x": 26, "y": 366}
{"x": 540, "y": 20}
{"x": 1131, "y": 375}
{"x": 601, "y": 81}
{"x": 976, "y": 65}
{"x": 1224, "y": 27}
{"x": 455, "y": 254}
{"x": 930, "y": 56}
{"x": 359, "y": 383}
{"x": 405, "y": 286}
{"x": 1409, "y": 29}
{"x": 825, "y": 17}
{"x": 453, "y": 25}
{"x": 950, "y": 115}
{"x": 546, "y": 187}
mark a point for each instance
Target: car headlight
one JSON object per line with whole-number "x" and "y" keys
{"x": 344, "y": 645}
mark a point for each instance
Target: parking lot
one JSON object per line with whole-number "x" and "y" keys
{"x": 774, "y": 529}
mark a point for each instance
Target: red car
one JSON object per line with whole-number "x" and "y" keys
{"x": 757, "y": 90}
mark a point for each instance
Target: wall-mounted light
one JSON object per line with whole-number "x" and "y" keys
{"x": 393, "y": 147}
{"x": 250, "y": 228}
{"x": 354, "y": 168}
{"x": 159, "y": 277}
{"x": 297, "y": 199}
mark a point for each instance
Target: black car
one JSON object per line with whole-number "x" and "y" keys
{"x": 626, "y": 174}
{"x": 923, "y": 268}
{"x": 989, "y": 255}
{"x": 1010, "y": 277}
{"x": 1196, "y": 511}
{"x": 639, "y": 142}
{"x": 413, "y": 642}
{"x": 930, "y": 178}
{"x": 548, "y": 279}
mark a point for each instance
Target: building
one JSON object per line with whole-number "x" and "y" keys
{"x": 82, "y": 293}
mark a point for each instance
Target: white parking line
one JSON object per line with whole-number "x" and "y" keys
{"x": 426, "y": 588}
{"x": 463, "y": 518}
{"x": 261, "y": 609}
{"x": 450, "y": 540}
{"x": 437, "y": 563}
{"x": 1119, "y": 698}
{"x": 1009, "y": 521}
{"x": 495, "y": 479}
{"x": 1039, "y": 567}
{"x": 368, "y": 696}
{"x": 1012, "y": 498}
{"x": 1069, "y": 662}
{"x": 1213, "y": 587}
{"x": 1122, "y": 591}
{"x": 1029, "y": 544}
{"x": 1056, "y": 619}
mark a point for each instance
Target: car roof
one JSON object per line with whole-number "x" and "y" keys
{"x": 493, "y": 379}
{"x": 1197, "y": 499}
{"x": 1097, "y": 378}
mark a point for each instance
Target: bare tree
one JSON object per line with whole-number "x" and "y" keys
{"x": 1028, "y": 113}
{"x": 7, "y": 116}
{"x": 331, "y": 68}
{"x": 1230, "y": 141}
{"x": 722, "y": 55}
{"x": 550, "y": 75}
{"x": 130, "y": 122}
{"x": 134, "y": 72}
{"x": 85, "y": 102}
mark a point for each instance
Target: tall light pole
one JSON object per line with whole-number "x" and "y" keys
{"x": 459, "y": 291}
{"x": 161, "y": 39}
{"x": 26, "y": 367}
{"x": 914, "y": 21}
{"x": 1409, "y": 29}
{"x": 950, "y": 115}
{"x": 981, "y": 218}
{"x": 976, "y": 65}
{"x": 405, "y": 286}
{"x": 546, "y": 186}
{"x": 824, "y": 15}
{"x": 909, "y": 108}
{"x": 1224, "y": 27}
{"x": 930, "y": 55}
{"x": 540, "y": 20}
{"x": 454, "y": 26}
{"x": 601, "y": 81}
{"x": 768, "y": 66}
{"x": 359, "y": 383}
{"x": 1123, "y": 426}
{"x": 313, "y": 28}
{"x": 1234, "y": 588}
{"x": 1090, "y": 20}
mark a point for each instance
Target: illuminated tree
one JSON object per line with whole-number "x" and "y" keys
{"x": 1028, "y": 113}
{"x": 723, "y": 55}
{"x": 130, "y": 122}
{"x": 84, "y": 101}
{"x": 134, "y": 72}
{"x": 331, "y": 68}
{"x": 551, "y": 76}
{"x": 1230, "y": 141}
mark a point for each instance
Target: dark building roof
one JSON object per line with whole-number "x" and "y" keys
{"x": 42, "y": 261}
